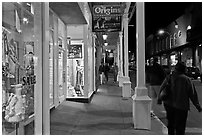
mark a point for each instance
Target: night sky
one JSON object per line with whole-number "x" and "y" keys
{"x": 157, "y": 15}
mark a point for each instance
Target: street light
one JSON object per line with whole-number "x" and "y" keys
{"x": 161, "y": 32}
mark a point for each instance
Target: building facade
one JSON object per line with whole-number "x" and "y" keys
{"x": 179, "y": 43}
{"x": 43, "y": 63}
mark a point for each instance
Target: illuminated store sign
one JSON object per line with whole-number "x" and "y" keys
{"x": 107, "y": 18}
{"x": 107, "y": 10}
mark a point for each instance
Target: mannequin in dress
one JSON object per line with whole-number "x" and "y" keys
{"x": 79, "y": 74}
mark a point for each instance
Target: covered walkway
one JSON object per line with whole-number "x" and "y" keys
{"x": 107, "y": 114}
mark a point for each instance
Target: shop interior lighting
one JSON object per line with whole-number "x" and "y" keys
{"x": 131, "y": 25}
{"x": 189, "y": 27}
{"x": 106, "y": 44}
{"x": 25, "y": 20}
{"x": 28, "y": 4}
{"x": 176, "y": 24}
{"x": 105, "y": 36}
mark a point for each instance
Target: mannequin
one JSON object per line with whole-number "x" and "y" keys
{"x": 15, "y": 110}
{"x": 79, "y": 77}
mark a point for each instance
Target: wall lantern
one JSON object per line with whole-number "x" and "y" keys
{"x": 176, "y": 24}
{"x": 105, "y": 36}
{"x": 189, "y": 27}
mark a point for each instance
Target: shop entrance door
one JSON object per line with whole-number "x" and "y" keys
{"x": 60, "y": 75}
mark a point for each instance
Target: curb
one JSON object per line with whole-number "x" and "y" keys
{"x": 164, "y": 127}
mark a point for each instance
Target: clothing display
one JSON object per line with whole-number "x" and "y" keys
{"x": 17, "y": 97}
{"x": 75, "y": 78}
{"x": 15, "y": 110}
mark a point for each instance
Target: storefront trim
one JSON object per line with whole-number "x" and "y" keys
{"x": 82, "y": 99}
{"x": 188, "y": 44}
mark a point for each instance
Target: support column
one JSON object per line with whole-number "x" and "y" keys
{"x": 38, "y": 70}
{"x": 141, "y": 100}
{"x": 86, "y": 62}
{"x": 126, "y": 63}
{"x": 94, "y": 60}
{"x": 121, "y": 60}
{"x": 118, "y": 60}
{"x": 45, "y": 74}
{"x": 126, "y": 91}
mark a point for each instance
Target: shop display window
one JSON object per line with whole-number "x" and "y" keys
{"x": 75, "y": 71}
{"x": 164, "y": 60}
{"x": 18, "y": 62}
{"x": 174, "y": 59}
{"x": 61, "y": 60}
{"x": 187, "y": 56}
{"x": 51, "y": 59}
{"x": 60, "y": 70}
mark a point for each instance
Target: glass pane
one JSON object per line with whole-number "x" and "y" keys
{"x": 75, "y": 71}
{"x": 18, "y": 76}
{"x": 51, "y": 89}
{"x": 60, "y": 74}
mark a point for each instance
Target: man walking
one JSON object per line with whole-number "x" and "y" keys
{"x": 101, "y": 72}
{"x": 106, "y": 71}
{"x": 156, "y": 77}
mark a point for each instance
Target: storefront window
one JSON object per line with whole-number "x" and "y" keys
{"x": 174, "y": 58}
{"x": 75, "y": 71}
{"x": 187, "y": 56}
{"x": 164, "y": 60}
{"x": 51, "y": 60}
{"x": 61, "y": 60}
{"x": 18, "y": 62}
{"x": 60, "y": 70}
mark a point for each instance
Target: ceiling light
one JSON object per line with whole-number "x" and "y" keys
{"x": 25, "y": 20}
{"x": 105, "y": 36}
{"x": 28, "y": 4}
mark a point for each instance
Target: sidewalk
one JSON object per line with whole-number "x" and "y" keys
{"x": 107, "y": 114}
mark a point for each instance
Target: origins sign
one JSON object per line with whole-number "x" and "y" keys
{"x": 107, "y": 10}
{"x": 107, "y": 18}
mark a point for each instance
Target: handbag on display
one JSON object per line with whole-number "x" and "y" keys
{"x": 165, "y": 93}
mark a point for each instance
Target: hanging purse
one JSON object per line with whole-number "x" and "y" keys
{"x": 165, "y": 93}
